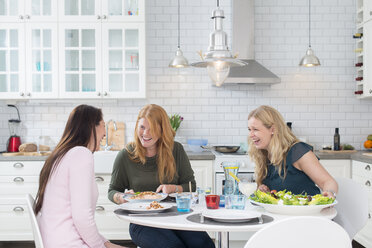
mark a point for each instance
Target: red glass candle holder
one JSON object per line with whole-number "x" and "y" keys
{"x": 212, "y": 201}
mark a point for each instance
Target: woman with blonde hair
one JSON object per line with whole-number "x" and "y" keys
{"x": 282, "y": 161}
{"x": 155, "y": 162}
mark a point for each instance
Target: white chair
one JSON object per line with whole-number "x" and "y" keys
{"x": 352, "y": 206}
{"x": 301, "y": 231}
{"x": 35, "y": 226}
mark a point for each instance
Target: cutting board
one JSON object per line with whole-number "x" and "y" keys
{"x": 367, "y": 154}
{"x": 117, "y": 137}
{"x": 337, "y": 152}
{"x": 11, "y": 154}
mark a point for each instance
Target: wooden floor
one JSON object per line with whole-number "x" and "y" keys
{"x": 30, "y": 244}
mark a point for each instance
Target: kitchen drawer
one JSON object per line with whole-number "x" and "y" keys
{"x": 364, "y": 181}
{"x": 362, "y": 169}
{"x": 21, "y": 168}
{"x": 110, "y": 226}
{"x": 14, "y": 220}
{"x": 14, "y": 186}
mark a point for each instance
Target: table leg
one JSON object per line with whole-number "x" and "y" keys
{"x": 223, "y": 239}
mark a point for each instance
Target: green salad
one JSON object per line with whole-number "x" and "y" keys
{"x": 287, "y": 198}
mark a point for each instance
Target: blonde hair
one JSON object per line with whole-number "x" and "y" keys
{"x": 279, "y": 145}
{"x": 159, "y": 127}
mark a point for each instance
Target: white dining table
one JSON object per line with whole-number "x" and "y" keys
{"x": 181, "y": 222}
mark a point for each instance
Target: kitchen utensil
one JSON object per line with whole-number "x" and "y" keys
{"x": 223, "y": 149}
{"x": 14, "y": 140}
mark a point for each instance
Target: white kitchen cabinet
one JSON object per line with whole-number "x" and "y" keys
{"x": 102, "y": 60}
{"x": 367, "y": 10}
{"x": 28, "y": 11}
{"x": 203, "y": 173}
{"x": 337, "y": 167}
{"x": 367, "y": 58}
{"x": 17, "y": 179}
{"x": 110, "y": 226}
{"x": 28, "y": 50}
{"x": 362, "y": 173}
{"x": 103, "y": 10}
{"x": 72, "y": 49}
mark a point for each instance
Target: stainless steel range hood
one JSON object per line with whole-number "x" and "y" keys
{"x": 243, "y": 44}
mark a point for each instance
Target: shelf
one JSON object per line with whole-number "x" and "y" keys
{"x": 359, "y": 83}
{"x": 359, "y": 25}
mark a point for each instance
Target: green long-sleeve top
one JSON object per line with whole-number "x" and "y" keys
{"x": 127, "y": 174}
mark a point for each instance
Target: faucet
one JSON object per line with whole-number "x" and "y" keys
{"x": 107, "y": 147}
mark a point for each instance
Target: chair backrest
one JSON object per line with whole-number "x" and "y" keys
{"x": 301, "y": 231}
{"x": 35, "y": 226}
{"x": 352, "y": 206}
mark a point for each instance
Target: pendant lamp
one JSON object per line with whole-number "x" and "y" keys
{"x": 218, "y": 59}
{"x": 309, "y": 59}
{"x": 179, "y": 61}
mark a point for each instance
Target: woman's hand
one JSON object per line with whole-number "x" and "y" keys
{"x": 329, "y": 194}
{"x": 169, "y": 188}
{"x": 108, "y": 244}
{"x": 264, "y": 188}
{"x": 119, "y": 198}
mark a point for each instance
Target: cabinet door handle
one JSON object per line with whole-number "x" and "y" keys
{"x": 27, "y": 16}
{"x": 368, "y": 183}
{"x": 370, "y": 91}
{"x": 21, "y": 17}
{"x": 18, "y": 165}
{"x": 368, "y": 167}
{"x": 370, "y": 13}
{"x": 100, "y": 208}
{"x": 28, "y": 94}
{"x": 369, "y": 215}
{"x": 98, "y": 17}
{"x": 21, "y": 94}
{"x": 99, "y": 94}
{"x": 105, "y": 94}
{"x": 99, "y": 179}
{"x": 18, "y": 209}
{"x": 104, "y": 17}
{"x": 18, "y": 180}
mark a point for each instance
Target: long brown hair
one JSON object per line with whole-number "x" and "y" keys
{"x": 79, "y": 129}
{"x": 159, "y": 127}
{"x": 281, "y": 141}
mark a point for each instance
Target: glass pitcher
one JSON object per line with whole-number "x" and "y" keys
{"x": 231, "y": 167}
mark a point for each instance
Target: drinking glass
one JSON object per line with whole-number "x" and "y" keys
{"x": 212, "y": 201}
{"x": 229, "y": 187}
{"x": 235, "y": 202}
{"x": 184, "y": 202}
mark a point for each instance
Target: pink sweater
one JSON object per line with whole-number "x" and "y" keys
{"x": 66, "y": 218}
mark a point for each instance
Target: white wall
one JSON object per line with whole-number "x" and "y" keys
{"x": 316, "y": 100}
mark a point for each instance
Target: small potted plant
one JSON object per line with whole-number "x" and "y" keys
{"x": 175, "y": 121}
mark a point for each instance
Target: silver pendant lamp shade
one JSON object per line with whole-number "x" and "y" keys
{"x": 218, "y": 59}
{"x": 309, "y": 59}
{"x": 179, "y": 61}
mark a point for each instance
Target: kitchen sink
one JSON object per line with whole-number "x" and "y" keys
{"x": 104, "y": 161}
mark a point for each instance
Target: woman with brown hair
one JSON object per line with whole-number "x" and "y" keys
{"x": 155, "y": 162}
{"x": 281, "y": 160}
{"x": 67, "y": 195}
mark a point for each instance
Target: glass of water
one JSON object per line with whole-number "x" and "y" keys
{"x": 235, "y": 202}
{"x": 184, "y": 202}
{"x": 229, "y": 187}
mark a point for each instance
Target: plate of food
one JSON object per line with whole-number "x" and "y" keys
{"x": 146, "y": 207}
{"x": 230, "y": 215}
{"x": 146, "y": 196}
{"x": 283, "y": 202}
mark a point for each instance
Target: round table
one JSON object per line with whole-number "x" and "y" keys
{"x": 180, "y": 222}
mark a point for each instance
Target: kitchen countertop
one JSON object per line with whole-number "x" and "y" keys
{"x": 205, "y": 155}
{"x": 353, "y": 156}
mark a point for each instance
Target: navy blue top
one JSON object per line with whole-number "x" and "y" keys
{"x": 296, "y": 181}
